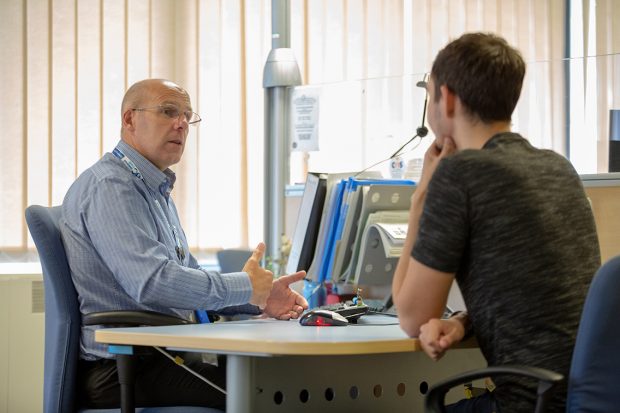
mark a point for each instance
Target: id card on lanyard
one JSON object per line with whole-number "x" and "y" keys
{"x": 180, "y": 251}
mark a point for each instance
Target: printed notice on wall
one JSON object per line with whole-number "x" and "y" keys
{"x": 305, "y": 120}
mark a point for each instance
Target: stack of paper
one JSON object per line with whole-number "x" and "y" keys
{"x": 392, "y": 237}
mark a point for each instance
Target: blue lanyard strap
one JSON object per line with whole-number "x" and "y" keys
{"x": 180, "y": 251}
{"x": 128, "y": 163}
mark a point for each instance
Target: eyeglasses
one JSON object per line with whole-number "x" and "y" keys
{"x": 173, "y": 112}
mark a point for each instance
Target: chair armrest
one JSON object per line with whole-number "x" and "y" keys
{"x": 547, "y": 379}
{"x": 132, "y": 319}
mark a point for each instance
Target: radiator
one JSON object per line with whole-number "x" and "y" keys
{"x": 21, "y": 342}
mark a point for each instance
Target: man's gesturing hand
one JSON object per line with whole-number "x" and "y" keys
{"x": 284, "y": 303}
{"x": 260, "y": 278}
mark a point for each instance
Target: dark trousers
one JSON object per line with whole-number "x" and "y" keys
{"x": 485, "y": 403}
{"x": 159, "y": 382}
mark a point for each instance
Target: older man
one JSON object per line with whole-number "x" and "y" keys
{"x": 127, "y": 251}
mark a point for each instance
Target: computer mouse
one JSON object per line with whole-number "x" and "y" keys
{"x": 321, "y": 318}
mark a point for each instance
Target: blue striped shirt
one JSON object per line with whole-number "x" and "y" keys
{"x": 121, "y": 247}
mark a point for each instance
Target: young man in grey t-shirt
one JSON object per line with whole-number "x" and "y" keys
{"x": 509, "y": 221}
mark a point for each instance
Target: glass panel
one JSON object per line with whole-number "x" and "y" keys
{"x": 363, "y": 122}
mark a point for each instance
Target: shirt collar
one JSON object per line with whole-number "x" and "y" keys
{"x": 162, "y": 181}
{"x": 502, "y": 137}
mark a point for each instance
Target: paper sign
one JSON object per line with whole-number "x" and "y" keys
{"x": 305, "y": 120}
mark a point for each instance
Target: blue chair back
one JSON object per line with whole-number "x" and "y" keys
{"x": 595, "y": 368}
{"x": 232, "y": 260}
{"x": 63, "y": 320}
{"x": 62, "y": 315}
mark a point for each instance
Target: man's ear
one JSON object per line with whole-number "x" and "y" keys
{"x": 128, "y": 123}
{"x": 448, "y": 99}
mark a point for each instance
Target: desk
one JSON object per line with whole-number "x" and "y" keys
{"x": 280, "y": 366}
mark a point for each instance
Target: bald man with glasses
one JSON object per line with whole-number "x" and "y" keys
{"x": 127, "y": 251}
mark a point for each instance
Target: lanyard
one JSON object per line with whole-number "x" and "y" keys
{"x": 136, "y": 172}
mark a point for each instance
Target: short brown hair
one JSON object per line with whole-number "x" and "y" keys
{"x": 484, "y": 71}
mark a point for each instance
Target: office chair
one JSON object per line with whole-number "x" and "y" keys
{"x": 63, "y": 321}
{"x": 232, "y": 260}
{"x": 595, "y": 366}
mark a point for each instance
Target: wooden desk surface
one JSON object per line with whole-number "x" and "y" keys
{"x": 270, "y": 337}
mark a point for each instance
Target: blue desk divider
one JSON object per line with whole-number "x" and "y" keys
{"x": 114, "y": 349}
{"x": 315, "y": 293}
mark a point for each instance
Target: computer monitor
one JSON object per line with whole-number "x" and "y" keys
{"x": 304, "y": 240}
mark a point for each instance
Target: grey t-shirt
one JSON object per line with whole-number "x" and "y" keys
{"x": 515, "y": 225}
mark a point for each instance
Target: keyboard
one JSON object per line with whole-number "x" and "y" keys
{"x": 377, "y": 306}
{"x": 352, "y": 312}
{"x": 370, "y": 306}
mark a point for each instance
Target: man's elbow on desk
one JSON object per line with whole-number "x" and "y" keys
{"x": 411, "y": 332}
{"x": 421, "y": 296}
{"x": 410, "y": 324}
{"x": 414, "y": 312}
{"x": 410, "y": 316}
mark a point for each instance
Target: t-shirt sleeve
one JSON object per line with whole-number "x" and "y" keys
{"x": 444, "y": 224}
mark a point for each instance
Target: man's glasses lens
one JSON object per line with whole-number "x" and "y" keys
{"x": 172, "y": 112}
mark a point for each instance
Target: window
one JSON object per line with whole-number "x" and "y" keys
{"x": 67, "y": 65}
{"x": 64, "y": 74}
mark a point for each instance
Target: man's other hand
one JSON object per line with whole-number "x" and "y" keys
{"x": 437, "y": 336}
{"x": 284, "y": 303}
{"x": 260, "y": 278}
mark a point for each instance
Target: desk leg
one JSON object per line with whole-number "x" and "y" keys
{"x": 126, "y": 368}
{"x": 239, "y": 380}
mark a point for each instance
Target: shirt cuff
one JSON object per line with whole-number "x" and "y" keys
{"x": 239, "y": 288}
